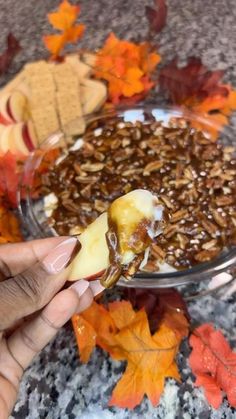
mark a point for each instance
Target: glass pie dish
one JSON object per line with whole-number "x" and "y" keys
{"x": 37, "y": 221}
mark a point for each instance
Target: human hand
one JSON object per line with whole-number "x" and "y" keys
{"x": 31, "y": 307}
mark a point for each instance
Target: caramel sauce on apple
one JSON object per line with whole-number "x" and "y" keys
{"x": 120, "y": 238}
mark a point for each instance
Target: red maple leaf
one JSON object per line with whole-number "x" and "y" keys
{"x": 214, "y": 364}
{"x": 13, "y": 47}
{"x": 10, "y": 169}
{"x": 197, "y": 88}
{"x": 194, "y": 82}
{"x": 157, "y": 16}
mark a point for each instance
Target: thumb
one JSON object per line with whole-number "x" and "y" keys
{"x": 32, "y": 289}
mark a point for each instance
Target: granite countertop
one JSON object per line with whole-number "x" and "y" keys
{"x": 57, "y": 385}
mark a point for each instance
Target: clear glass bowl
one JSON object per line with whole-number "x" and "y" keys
{"x": 36, "y": 222}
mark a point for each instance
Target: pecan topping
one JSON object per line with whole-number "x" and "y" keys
{"x": 194, "y": 179}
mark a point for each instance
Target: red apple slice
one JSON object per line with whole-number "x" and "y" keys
{"x": 3, "y": 120}
{"x": 93, "y": 258}
{"x": 17, "y": 106}
{"x": 2, "y": 128}
{"x": 17, "y": 142}
{"x": 29, "y": 136}
{"x": 5, "y": 138}
{"x": 3, "y": 109}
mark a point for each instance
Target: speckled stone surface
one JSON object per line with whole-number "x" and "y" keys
{"x": 56, "y": 385}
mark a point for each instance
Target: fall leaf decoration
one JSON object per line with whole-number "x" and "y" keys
{"x": 199, "y": 89}
{"x": 158, "y": 304}
{"x": 214, "y": 364}
{"x": 9, "y": 227}
{"x": 64, "y": 19}
{"x": 126, "y": 66}
{"x": 157, "y": 16}
{"x": 6, "y": 58}
{"x": 10, "y": 169}
{"x": 125, "y": 335}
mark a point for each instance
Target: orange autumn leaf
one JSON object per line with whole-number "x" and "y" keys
{"x": 100, "y": 330}
{"x": 63, "y": 19}
{"x": 54, "y": 43}
{"x": 122, "y": 313}
{"x": 149, "y": 60}
{"x": 126, "y": 66}
{"x": 85, "y": 337}
{"x": 177, "y": 322}
{"x": 230, "y": 103}
{"x": 125, "y": 334}
{"x": 151, "y": 359}
{"x": 9, "y": 227}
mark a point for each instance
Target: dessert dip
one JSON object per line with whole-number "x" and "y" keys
{"x": 193, "y": 178}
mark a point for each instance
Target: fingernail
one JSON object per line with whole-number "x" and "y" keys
{"x": 60, "y": 256}
{"x": 80, "y": 286}
{"x": 96, "y": 287}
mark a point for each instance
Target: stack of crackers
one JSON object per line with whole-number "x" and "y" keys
{"x": 59, "y": 95}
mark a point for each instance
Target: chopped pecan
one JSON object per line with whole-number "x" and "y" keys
{"x": 152, "y": 167}
{"x": 170, "y": 230}
{"x": 92, "y": 167}
{"x": 158, "y": 252}
{"x": 151, "y": 266}
{"x": 206, "y": 255}
{"x": 87, "y": 179}
{"x": 167, "y": 201}
{"x": 179, "y": 215}
{"x": 183, "y": 241}
{"x": 219, "y": 219}
{"x": 100, "y": 205}
{"x": 223, "y": 200}
{"x": 86, "y": 191}
{"x": 70, "y": 205}
{"x": 211, "y": 228}
{"x": 99, "y": 156}
{"x": 209, "y": 245}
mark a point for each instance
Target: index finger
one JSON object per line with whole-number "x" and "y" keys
{"x": 17, "y": 257}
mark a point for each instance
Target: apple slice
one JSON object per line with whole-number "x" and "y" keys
{"x": 17, "y": 106}
{"x": 2, "y": 128}
{"x": 5, "y": 116}
{"x": 3, "y": 120}
{"x": 5, "y": 138}
{"x": 93, "y": 257}
{"x": 20, "y": 138}
{"x": 93, "y": 95}
{"x": 16, "y": 142}
{"x": 132, "y": 220}
{"x": 29, "y": 136}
